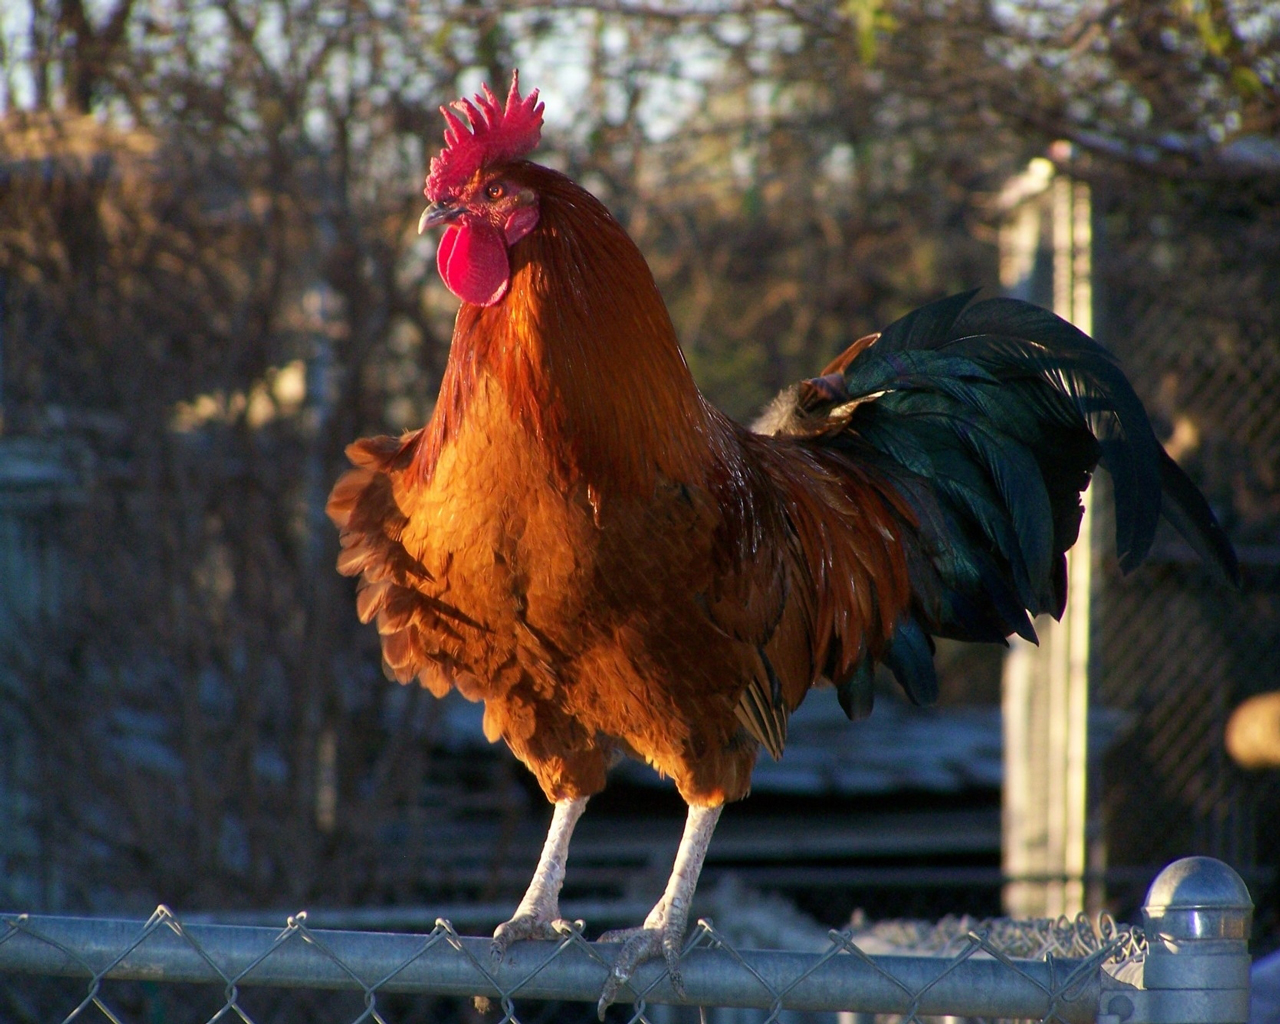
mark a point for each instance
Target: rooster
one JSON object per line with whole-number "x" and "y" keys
{"x": 580, "y": 540}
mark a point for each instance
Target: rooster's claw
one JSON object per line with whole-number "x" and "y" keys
{"x": 638, "y": 946}
{"x": 525, "y": 926}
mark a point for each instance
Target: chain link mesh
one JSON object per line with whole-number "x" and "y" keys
{"x": 1188, "y": 303}
{"x": 914, "y": 970}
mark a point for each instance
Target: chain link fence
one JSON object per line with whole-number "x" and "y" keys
{"x": 1035, "y": 970}
{"x": 1184, "y": 287}
{"x": 1189, "y": 300}
{"x": 1190, "y": 963}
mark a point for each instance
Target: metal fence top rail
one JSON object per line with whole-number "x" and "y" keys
{"x": 444, "y": 963}
{"x": 1194, "y": 968}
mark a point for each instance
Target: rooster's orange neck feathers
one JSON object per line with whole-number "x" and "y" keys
{"x": 585, "y": 352}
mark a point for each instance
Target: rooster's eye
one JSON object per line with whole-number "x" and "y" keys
{"x": 495, "y": 191}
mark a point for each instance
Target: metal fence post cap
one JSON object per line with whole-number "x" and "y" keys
{"x": 1198, "y": 898}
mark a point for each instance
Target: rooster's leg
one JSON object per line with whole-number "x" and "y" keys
{"x": 663, "y": 930}
{"x": 539, "y": 911}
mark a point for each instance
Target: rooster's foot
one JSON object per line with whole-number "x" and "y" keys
{"x": 542, "y": 923}
{"x": 660, "y": 938}
{"x": 538, "y": 916}
{"x": 663, "y": 930}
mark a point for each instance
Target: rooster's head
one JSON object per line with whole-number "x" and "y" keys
{"x": 485, "y": 209}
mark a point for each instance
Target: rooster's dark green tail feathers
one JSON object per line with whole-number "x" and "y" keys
{"x": 1185, "y": 507}
{"x": 990, "y": 419}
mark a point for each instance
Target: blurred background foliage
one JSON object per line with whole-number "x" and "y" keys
{"x": 210, "y": 282}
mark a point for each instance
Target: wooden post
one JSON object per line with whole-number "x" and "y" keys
{"x": 1046, "y": 688}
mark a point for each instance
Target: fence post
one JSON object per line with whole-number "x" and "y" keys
{"x": 1197, "y": 916}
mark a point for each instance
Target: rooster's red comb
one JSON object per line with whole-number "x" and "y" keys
{"x": 495, "y": 133}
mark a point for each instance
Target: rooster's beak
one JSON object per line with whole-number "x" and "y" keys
{"x": 439, "y": 213}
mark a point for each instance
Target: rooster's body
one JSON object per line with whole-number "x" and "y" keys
{"x": 581, "y": 541}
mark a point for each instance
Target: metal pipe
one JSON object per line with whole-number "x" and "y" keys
{"x": 171, "y": 952}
